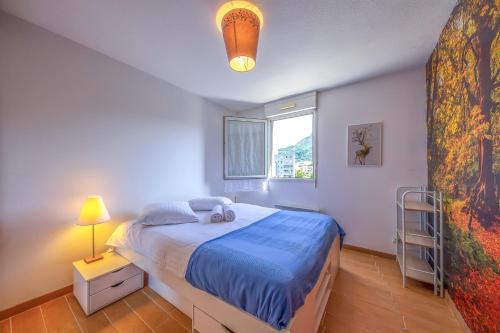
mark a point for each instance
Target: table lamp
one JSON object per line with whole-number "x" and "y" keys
{"x": 93, "y": 212}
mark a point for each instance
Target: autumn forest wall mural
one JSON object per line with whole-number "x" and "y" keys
{"x": 463, "y": 91}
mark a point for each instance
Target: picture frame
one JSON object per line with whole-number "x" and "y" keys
{"x": 364, "y": 145}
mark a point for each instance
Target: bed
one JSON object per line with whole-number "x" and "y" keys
{"x": 268, "y": 271}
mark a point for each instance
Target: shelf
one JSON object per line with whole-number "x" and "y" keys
{"x": 417, "y": 268}
{"x": 415, "y": 236}
{"x": 418, "y": 206}
{"x": 422, "y": 233}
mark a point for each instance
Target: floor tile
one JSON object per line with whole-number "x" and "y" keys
{"x": 5, "y": 326}
{"x": 58, "y": 316}
{"x": 96, "y": 322}
{"x": 171, "y": 326}
{"x": 366, "y": 315}
{"x": 183, "y": 319}
{"x": 334, "y": 324}
{"x": 423, "y": 325}
{"x": 160, "y": 301}
{"x": 124, "y": 319}
{"x": 30, "y": 321}
{"x": 149, "y": 312}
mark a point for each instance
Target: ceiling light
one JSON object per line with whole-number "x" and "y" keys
{"x": 240, "y": 23}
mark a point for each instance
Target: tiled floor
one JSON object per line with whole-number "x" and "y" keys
{"x": 367, "y": 298}
{"x": 142, "y": 311}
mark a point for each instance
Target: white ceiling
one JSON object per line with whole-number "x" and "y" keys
{"x": 305, "y": 44}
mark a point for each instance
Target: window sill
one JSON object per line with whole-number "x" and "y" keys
{"x": 300, "y": 180}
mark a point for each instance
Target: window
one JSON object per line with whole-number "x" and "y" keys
{"x": 292, "y": 153}
{"x": 245, "y": 148}
{"x": 286, "y": 151}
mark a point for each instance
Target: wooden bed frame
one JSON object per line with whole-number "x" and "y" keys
{"x": 191, "y": 300}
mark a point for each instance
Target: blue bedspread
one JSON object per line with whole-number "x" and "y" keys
{"x": 268, "y": 267}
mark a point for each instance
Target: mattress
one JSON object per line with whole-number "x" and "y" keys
{"x": 265, "y": 262}
{"x": 170, "y": 246}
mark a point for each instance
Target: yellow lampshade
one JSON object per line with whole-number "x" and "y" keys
{"x": 240, "y": 23}
{"x": 93, "y": 211}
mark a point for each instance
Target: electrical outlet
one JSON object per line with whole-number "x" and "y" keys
{"x": 394, "y": 239}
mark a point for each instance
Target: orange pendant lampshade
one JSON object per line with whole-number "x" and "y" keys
{"x": 240, "y": 23}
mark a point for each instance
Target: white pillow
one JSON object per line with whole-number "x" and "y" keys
{"x": 208, "y": 203}
{"x": 174, "y": 212}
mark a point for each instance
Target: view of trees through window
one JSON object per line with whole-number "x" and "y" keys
{"x": 292, "y": 148}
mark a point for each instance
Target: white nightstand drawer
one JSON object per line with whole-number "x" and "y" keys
{"x": 203, "y": 323}
{"x": 114, "y": 292}
{"x": 112, "y": 278}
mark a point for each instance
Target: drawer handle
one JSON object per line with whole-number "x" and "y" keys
{"x": 117, "y": 270}
{"x": 116, "y": 285}
{"x": 227, "y": 329}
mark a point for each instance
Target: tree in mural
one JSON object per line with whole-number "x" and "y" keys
{"x": 484, "y": 24}
{"x": 463, "y": 88}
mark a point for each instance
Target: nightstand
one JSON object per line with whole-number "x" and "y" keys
{"x": 103, "y": 282}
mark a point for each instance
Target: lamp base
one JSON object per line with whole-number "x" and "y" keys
{"x": 89, "y": 260}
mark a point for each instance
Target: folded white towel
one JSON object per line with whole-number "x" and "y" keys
{"x": 228, "y": 212}
{"x": 217, "y": 214}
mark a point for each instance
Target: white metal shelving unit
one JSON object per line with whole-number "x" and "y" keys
{"x": 419, "y": 230}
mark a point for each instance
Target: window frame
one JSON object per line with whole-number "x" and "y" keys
{"x": 225, "y": 148}
{"x": 314, "y": 114}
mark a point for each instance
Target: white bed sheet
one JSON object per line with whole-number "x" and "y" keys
{"x": 171, "y": 246}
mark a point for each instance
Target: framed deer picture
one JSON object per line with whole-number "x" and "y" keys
{"x": 364, "y": 145}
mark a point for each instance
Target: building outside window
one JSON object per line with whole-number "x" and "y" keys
{"x": 292, "y": 147}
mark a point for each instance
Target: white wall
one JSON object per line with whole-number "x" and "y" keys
{"x": 72, "y": 123}
{"x": 362, "y": 199}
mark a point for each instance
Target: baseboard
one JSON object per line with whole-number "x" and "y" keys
{"x": 34, "y": 302}
{"x": 456, "y": 313}
{"x": 376, "y": 253}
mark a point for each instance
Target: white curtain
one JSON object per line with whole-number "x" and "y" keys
{"x": 245, "y": 148}
{"x": 245, "y": 185}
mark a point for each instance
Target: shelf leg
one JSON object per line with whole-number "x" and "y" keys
{"x": 441, "y": 245}
{"x": 403, "y": 230}
{"x": 435, "y": 259}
